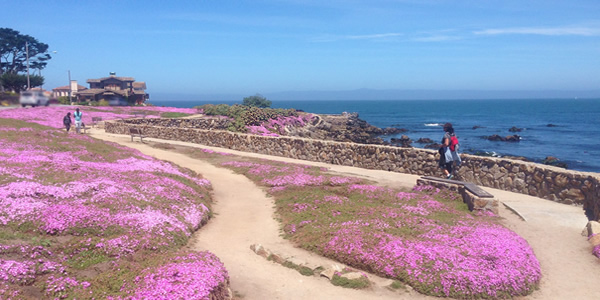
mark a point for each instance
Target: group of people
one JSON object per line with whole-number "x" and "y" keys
{"x": 78, "y": 120}
{"x": 449, "y": 151}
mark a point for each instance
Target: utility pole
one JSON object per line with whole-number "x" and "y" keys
{"x": 27, "y": 53}
{"x": 70, "y": 101}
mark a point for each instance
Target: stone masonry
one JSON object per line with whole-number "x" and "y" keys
{"x": 548, "y": 182}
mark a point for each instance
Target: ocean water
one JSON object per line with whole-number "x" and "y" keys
{"x": 573, "y": 134}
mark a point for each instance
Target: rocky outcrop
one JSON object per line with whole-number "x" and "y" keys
{"x": 509, "y": 138}
{"x": 553, "y": 161}
{"x": 425, "y": 141}
{"x": 403, "y": 141}
{"x": 515, "y": 129}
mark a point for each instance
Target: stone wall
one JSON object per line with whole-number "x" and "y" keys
{"x": 548, "y": 182}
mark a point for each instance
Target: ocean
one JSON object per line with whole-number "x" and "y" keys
{"x": 562, "y": 128}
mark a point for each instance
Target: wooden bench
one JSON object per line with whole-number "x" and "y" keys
{"x": 473, "y": 188}
{"x": 85, "y": 128}
{"x": 474, "y": 196}
{"x": 136, "y": 132}
{"x": 96, "y": 120}
{"x": 137, "y": 114}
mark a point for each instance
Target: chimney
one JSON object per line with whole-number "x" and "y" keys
{"x": 74, "y": 86}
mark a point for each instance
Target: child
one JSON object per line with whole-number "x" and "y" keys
{"x": 67, "y": 121}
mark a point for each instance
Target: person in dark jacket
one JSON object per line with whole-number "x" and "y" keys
{"x": 67, "y": 121}
{"x": 448, "y": 156}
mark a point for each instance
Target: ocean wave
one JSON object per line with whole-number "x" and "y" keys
{"x": 432, "y": 124}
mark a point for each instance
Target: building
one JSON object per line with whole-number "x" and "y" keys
{"x": 63, "y": 91}
{"x": 115, "y": 90}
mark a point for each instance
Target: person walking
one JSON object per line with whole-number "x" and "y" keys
{"x": 78, "y": 115}
{"x": 449, "y": 151}
{"x": 67, "y": 121}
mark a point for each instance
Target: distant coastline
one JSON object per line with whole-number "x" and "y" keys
{"x": 391, "y": 94}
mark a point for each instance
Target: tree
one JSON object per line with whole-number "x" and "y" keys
{"x": 257, "y": 101}
{"x": 18, "y": 82}
{"x": 13, "y": 56}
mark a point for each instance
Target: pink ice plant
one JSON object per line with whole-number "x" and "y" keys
{"x": 110, "y": 202}
{"x": 52, "y": 115}
{"x": 418, "y": 237}
{"x": 596, "y": 250}
{"x": 31, "y": 263}
{"x": 278, "y": 126}
{"x": 60, "y": 286}
{"x": 193, "y": 276}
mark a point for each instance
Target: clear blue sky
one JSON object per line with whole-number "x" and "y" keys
{"x": 266, "y": 46}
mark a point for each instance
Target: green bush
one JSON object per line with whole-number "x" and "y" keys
{"x": 257, "y": 101}
{"x": 9, "y": 98}
{"x": 245, "y": 115}
{"x": 64, "y": 100}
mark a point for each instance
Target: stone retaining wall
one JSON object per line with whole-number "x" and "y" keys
{"x": 548, "y": 182}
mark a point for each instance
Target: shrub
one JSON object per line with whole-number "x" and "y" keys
{"x": 245, "y": 116}
{"x": 257, "y": 101}
{"x": 64, "y": 100}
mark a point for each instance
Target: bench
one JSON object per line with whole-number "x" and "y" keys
{"x": 137, "y": 114}
{"x": 136, "y": 132}
{"x": 474, "y": 196}
{"x": 85, "y": 128}
{"x": 96, "y": 120}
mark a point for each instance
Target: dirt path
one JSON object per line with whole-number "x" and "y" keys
{"x": 244, "y": 216}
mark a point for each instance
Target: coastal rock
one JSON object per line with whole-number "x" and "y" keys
{"x": 425, "y": 141}
{"x": 393, "y": 130}
{"x": 433, "y": 146}
{"x": 494, "y": 137}
{"x": 403, "y": 141}
{"x": 553, "y": 161}
{"x": 513, "y": 138}
{"x": 509, "y": 138}
{"x": 515, "y": 129}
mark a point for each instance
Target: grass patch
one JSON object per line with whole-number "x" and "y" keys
{"x": 396, "y": 284}
{"x": 174, "y": 115}
{"x": 359, "y": 283}
{"x": 306, "y": 271}
{"x": 86, "y": 259}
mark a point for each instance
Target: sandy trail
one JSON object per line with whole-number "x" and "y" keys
{"x": 244, "y": 216}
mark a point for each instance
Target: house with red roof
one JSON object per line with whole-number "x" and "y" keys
{"x": 116, "y": 90}
{"x": 63, "y": 91}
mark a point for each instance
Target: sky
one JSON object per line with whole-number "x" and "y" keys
{"x": 210, "y": 47}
